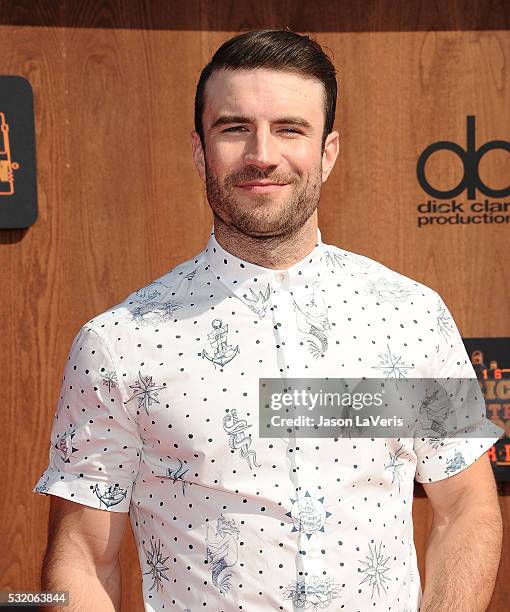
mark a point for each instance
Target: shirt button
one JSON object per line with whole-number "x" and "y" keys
{"x": 280, "y": 277}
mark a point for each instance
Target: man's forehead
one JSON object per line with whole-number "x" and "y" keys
{"x": 238, "y": 91}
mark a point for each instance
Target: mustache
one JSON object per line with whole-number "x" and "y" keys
{"x": 249, "y": 177}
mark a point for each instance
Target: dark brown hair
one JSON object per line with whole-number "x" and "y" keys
{"x": 277, "y": 50}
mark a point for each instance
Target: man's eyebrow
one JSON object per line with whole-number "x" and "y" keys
{"x": 225, "y": 119}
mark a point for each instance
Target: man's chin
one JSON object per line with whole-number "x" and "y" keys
{"x": 263, "y": 228}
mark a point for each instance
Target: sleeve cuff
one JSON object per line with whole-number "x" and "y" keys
{"x": 454, "y": 460}
{"x": 102, "y": 495}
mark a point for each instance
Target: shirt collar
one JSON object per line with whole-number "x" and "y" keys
{"x": 253, "y": 283}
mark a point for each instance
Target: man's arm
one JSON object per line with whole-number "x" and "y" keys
{"x": 82, "y": 556}
{"x": 464, "y": 545}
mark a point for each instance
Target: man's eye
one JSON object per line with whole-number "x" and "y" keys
{"x": 237, "y": 127}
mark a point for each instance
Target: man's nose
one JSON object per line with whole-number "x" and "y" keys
{"x": 262, "y": 150}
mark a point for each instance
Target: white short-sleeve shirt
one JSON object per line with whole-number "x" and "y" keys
{"x": 158, "y": 416}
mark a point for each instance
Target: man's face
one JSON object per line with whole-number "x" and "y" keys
{"x": 263, "y": 126}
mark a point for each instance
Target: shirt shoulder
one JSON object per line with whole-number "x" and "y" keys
{"x": 153, "y": 303}
{"x": 377, "y": 279}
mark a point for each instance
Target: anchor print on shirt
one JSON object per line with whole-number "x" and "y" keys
{"x": 238, "y": 440}
{"x": 308, "y": 514}
{"x": 223, "y": 352}
{"x": 389, "y": 291}
{"x": 258, "y": 302}
{"x": 312, "y": 593}
{"x": 64, "y": 445}
{"x": 109, "y": 495}
{"x": 222, "y": 552}
{"x": 312, "y": 319}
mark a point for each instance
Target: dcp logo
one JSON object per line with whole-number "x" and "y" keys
{"x": 470, "y": 158}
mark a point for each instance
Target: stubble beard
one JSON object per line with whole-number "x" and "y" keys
{"x": 270, "y": 215}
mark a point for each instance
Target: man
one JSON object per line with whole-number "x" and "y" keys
{"x": 159, "y": 406}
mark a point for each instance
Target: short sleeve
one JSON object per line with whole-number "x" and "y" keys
{"x": 450, "y": 452}
{"x": 95, "y": 443}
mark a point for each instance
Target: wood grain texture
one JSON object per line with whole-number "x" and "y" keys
{"x": 120, "y": 202}
{"x": 236, "y": 15}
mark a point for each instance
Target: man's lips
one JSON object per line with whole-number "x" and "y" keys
{"x": 262, "y": 187}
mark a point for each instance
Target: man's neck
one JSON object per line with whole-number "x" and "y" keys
{"x": 274, "y": 252}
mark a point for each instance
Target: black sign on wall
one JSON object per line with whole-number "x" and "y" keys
{"x": 18, "y": 179}
{"x": 470, "y": 158}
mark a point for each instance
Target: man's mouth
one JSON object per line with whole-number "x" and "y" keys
{"x": 262, "y": 187}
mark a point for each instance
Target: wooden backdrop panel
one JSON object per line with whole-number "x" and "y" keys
{"x": 120, "y": 204}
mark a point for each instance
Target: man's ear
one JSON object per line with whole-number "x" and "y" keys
{"x": 198, "y": 154}
{"x": 331, "y": 150}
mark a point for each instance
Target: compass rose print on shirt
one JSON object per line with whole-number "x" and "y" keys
{"x": 313, "y": 593}
{"x": 395, "y": 465}
{"x": 308, "y": 514}
{"x": 312, "y": 319}
{"x": 110, "y": 495}
{"x": 387, "y": 291}
{"x": 157, "y": 567}
{"x": 375, "y": 569}
{"x": 238, "y": 440}
{"x": 223, "y": 352}
{"x": 145, "y": 391}
{"x": 64, "y": 445}
{"x": 258, "y": 302}
{"x": 392, "y": 365}
{"x": 222, "y": 552}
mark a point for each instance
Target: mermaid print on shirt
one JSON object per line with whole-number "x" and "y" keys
{"x": 222, "y": 552}
{"x": 312, "y": 319}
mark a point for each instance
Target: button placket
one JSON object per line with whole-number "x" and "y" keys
{"x": 280, "y": 308}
